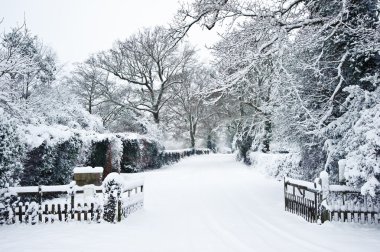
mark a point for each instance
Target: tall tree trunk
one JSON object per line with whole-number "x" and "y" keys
{"x": 192, "y": 130}
{"x": 90, "y": 105}
{"x": 192, "y": 138}
{"x": 156, "y": 117}
{"x": 267, "y": 136}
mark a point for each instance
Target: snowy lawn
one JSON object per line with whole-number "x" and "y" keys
{"x": 203, "y": 203}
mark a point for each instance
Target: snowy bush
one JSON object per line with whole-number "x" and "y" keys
{"x": 277, "y": 164}
{"x": 313, "y": 160}
{"x": 113, "y": 182}
{"x": 149, "y": 154}
{"x": 51, "y": 164}
{"x": 354, "y": 143}
{"x": 11, "y": 151}
{"x": 8, "y": 201}
{"x": 131, "y": 155}
{"x": 140, "y": 154}
{"x": 112, "y": 188}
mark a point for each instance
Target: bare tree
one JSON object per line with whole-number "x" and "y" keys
{"x": 87, "y": 81}
{"x": 187, "y": 107}
{"x": 149, "y": 64}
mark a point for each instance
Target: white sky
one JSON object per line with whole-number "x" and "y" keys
{"x": 76, "y": 28}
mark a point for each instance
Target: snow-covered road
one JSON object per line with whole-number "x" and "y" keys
{"x": 203, "y": 203}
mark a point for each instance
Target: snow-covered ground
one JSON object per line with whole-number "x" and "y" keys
{"x": 203, "y": 203}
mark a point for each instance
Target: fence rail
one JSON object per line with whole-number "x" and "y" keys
{"x": 87, "y": 208}
{"x": 313, "y": 202}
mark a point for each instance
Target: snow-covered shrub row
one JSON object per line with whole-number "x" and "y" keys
{"x": 277, "y": 165}
{"x": 140, "y": 154}
{"x": 46, "y": 154}
{"x": 171, "y": 156}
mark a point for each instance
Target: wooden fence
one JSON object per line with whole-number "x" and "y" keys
{"x": 90, "y": 208}
{"x": 356, "y": 213}
{"x": 49, "y": 213}
{"x": 302, "y": 199}
{"x": 312, "y": 202}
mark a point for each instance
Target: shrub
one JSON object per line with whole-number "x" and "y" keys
{"x": 112, "y": 188}
{"x": 51, "y": 164}
{"x": 11, "y": 152}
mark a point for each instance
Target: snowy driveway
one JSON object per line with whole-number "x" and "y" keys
{"x": 203, "y": 203}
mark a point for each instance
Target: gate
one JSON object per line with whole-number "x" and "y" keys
{"x": 302, "y": 198}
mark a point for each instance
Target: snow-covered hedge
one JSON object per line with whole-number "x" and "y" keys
{"x": 38, "y": 154}
{"x": 277, "y": 164}
{"x": 140, "y": 154}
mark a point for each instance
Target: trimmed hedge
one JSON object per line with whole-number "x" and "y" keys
{"x": 50, "y": 165}
{"x": 53, "y": 163}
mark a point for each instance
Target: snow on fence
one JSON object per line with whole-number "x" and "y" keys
{"x": 89, "y": 208}
{"x": 318, "y": 202}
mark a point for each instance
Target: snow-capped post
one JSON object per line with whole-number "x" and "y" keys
{"x": 285, "y": 191}
{"x": 325, "y": 190}
{"x": 40, "y": 213}
{"x": 342, "y": 168}
{"x": 40, "y": 194}
{"x": 72, "y": 197}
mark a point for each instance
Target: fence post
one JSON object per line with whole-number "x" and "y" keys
{"x": 40, "y": 194}
{"x": 72, "y": 197}
{"x": 325, "y": 189}
{"x": 118, "y": 207}
{"x": 285, "y": 192}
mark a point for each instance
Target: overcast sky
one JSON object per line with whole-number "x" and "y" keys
{"x": 76, "y": 28}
